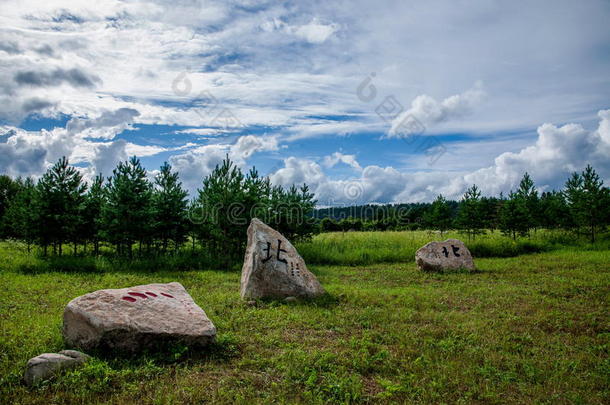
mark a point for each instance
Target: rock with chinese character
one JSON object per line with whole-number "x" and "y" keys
{"x": 273, "y": 268}
{"x": 135, "y": 318}
{"x": 451, "y": 254}
{"x": 47, "y": 365}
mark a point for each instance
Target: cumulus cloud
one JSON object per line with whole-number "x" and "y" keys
{"x": 108, "y": 155}
{"x": 107, "y": 125}
{"x": 17, "y": 159}
{"x": 299, "y": 171}
{"x": 428, "y": 112}
{"x": 197, "y": 163}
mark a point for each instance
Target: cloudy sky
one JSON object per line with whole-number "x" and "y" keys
{"x": 384, "y": 101}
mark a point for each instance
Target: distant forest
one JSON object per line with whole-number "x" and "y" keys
{"x": 128, "y": 214}
{"x": 583, "y": 206}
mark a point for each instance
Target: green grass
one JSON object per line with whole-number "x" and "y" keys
{"x": 532, "y": 328}
{"x": 361, "y": 248}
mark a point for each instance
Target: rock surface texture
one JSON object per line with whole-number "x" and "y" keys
{"x": 131, "y": 319}
{"x": 47, "y": 365}
{"x": 273, "y": 268}
{"x": 451, "y": 254}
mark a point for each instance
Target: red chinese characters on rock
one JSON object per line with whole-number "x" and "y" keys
{"x": 130, "y": 296}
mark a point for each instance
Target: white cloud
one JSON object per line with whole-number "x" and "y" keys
{"x": 338, "y": 157}
{"x": 428, "y": 111}
{"x": 106, "y": 126}
{"x": 108, "y": 156}
{"x": 315, "y": 32}
{"x": 199, "y": 162}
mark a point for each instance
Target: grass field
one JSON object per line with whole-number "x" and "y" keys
{"x": 532, "y": 328}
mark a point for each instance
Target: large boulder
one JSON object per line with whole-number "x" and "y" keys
{"x": 47, "y": 365}
{"x": 273, "y": 268}
{"x": 130, "y": 319}
{"x": 451, "y": 254}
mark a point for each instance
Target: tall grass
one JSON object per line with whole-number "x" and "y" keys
{"x": 335, "y": 248}
{"x": 359, "y": 248}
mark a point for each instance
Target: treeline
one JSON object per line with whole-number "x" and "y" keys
{"x": 134, "y": 215}
{"x": 583, "y": 206}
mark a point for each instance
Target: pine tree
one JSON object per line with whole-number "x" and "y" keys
{"x": 588, "y": 201}
{"x": 92, "y": 213}
{"x": 469, "y": 217}
{"x": 221, "y": 200}
{"x": 554, "y": 212}
{"x": 21, "y": 218}
{"x": 528, "y": 193}
{"x": 127, "y": 214}
{"x": 439, "y": 215}
{"x": 60, "y": 195}
{"x": 170, "y": 205}
{"x": 514, "y": 218}
{"x": 8, "y": 190}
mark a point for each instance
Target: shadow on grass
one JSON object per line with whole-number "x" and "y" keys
{"x": 325, "y": 301}
{"x": 225, "y": 347}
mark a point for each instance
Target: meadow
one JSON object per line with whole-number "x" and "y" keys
{"x": 531, "y": 325}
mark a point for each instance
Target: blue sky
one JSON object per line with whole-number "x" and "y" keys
{"x": 391, "y": 101}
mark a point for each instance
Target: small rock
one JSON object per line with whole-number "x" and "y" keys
{"x": 251, "y": 303}
{"x": 290, "y": 299}
{"x": 75, "y": 354}
{"x": 451, "y": 254}
{"x": 47, "y": 365}
{"x": 131, "y": 319}
{"x": 273, "y": 268}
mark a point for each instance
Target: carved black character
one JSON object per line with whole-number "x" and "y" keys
{"x": 279, "y": 250}
{"x": 268, "y": 250}
{"x": 445, "y": 251}
{"x": 455, "y": 250}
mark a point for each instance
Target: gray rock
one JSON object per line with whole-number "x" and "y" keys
{"x": 75, "y": 354}
{"x": 451, "y": 254}
{"x": 290, "y": 299}
{"x": 131, "y": 319}
{"x": 47, "y": 365}
{"x": 273, "y": 268}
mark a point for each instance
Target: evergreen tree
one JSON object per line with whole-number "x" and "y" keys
{"x": 8, "y": 190}
{"x": 514, "y": 218}
{"x": 91, "y": 229}
{"x": 21, "y": 218}
{"x": 490, "y": 208}
{"x": 221, "y": 203}
{"x": 469, "y": 217}
{"x": 554, "y": 212}
{"x": 439, "y": 215}
{"x": 127, "y": 214}
{"x": 588, "y": 201}
{"x": 60, "y": 195}
{"x": 170, "y": 205}
{"x": 528, "y": 193}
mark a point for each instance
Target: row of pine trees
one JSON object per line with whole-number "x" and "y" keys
{"x": 129, "y": 214}
{"x": 134, "y": 215}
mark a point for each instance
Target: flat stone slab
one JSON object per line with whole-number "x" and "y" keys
{"x": 273, "y": 268}
{"x": 135, "y": 318}
{"x": 47, "y": 365}
{"x": 451, "y": 254}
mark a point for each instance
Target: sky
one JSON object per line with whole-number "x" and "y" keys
{"x": 366, "y": 102}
